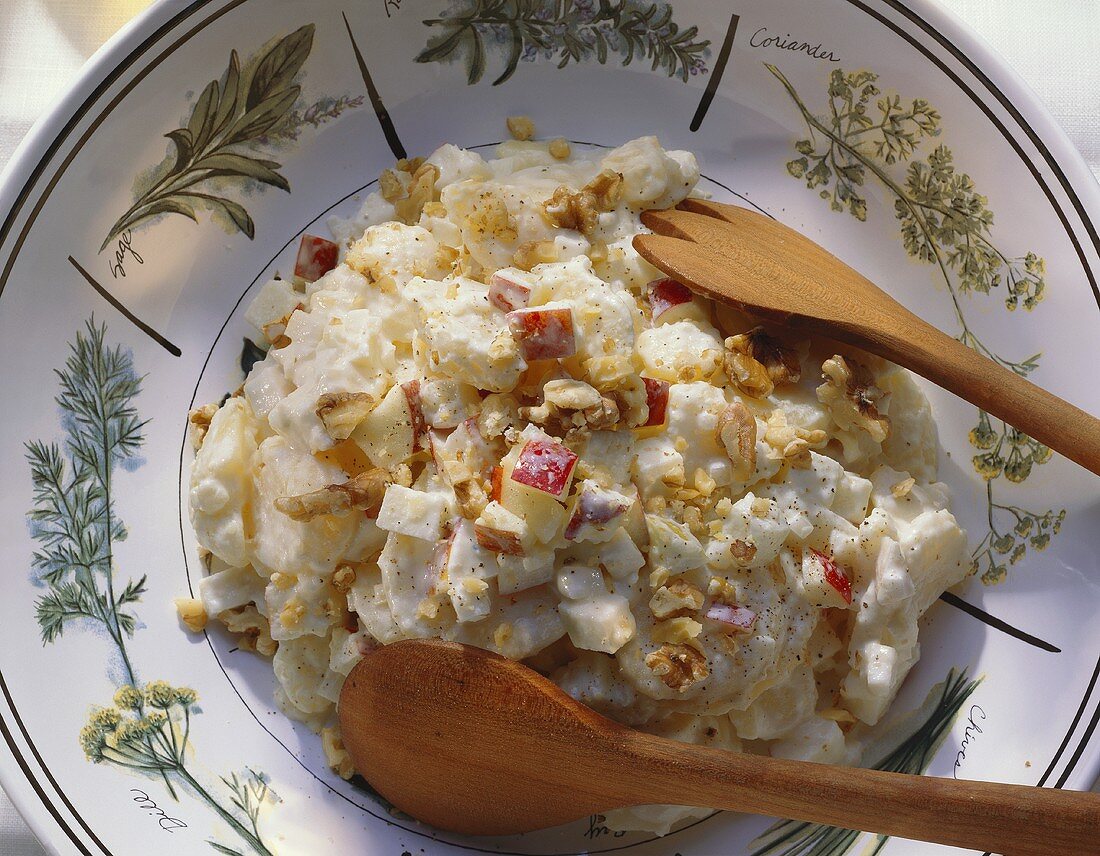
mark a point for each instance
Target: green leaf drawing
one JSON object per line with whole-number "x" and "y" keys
{"x": 864, "y": 134}
{"x": 566, "y": 31}
{"x": 912, "y": 754}
{"x": 72, "y": 517}
{"x": 73, "y": 520}
{"x": 216, "y": 148}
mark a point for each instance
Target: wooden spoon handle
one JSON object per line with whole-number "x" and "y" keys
{"x": 1008, "y": 819}
{"x": 1001, "y": 392}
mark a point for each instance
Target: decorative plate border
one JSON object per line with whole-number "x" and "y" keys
{"x": 102, "y": 60}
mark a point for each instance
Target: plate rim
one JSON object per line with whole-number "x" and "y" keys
{"x": 995, "y": 76}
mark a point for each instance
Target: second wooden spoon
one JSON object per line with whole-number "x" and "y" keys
{"x": 471, "y": 742}
{"x": 769, "y": 270}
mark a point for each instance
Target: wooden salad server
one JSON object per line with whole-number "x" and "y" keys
{"x": 772, "y": 272}
{"x": 468, "y": 741}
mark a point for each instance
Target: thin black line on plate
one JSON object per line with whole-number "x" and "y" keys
{"x": 42, "y": 795}
{"x": 130, "y": 316}
{"x": 715, "y": 74}
{"x": 380, "y": 111}
{"x": 1005, "y": 102}
{"x": 998, "y": 623}
{"x": 1073, "y": 727}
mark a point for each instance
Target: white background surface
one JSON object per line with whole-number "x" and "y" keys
{"x": 43, "y": 43}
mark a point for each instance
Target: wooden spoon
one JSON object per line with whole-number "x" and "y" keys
{"x": 468, "y": 741}
{"x": 770, "y": 271}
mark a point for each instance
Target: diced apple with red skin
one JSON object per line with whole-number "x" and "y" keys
{"x": 506, "y": 294}
{"x": 596, "y": 513}
{"x": 824, "y": 582}
{"x": 543, "y": 333}
{"x": 498, "y": 530}
{"x": 394, "y": 430}
{"x": 498, "y": 541}
{"x": 737, "y": 619}
{"x": 542, "y": 512}
{"x": 670, "y": 301}
{"x": 656, "y": 396}
{"x": 497, "y": 484}
{"x": 545, "y": 465}
{"x": 416, "y": 413}
{"x": 316, "y": 257}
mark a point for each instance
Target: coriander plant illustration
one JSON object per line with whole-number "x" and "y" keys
{"x": 236, "y": 124}
{"x": 565, "y": 31}
{"x": 912, "y": 755}
{"x": 74, "y": 520}
{"x": 868, "y": 135}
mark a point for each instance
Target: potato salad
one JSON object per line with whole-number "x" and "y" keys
{"x": 483, "y": 417}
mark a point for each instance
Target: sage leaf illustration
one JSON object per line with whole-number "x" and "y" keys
{"x": 217, "y": 147}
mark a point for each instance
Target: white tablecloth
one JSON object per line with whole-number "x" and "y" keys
{"x": 44, "y": 42}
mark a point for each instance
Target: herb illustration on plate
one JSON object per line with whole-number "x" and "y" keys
{"x": 228, "y": 143}
{"x": 912, "y": 755}
{"x": 147, "y": 729}
{"x": 564, "y": 31}
{"x": 865, "y": 135}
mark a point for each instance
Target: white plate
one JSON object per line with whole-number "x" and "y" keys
{"x": 168, "y": 291}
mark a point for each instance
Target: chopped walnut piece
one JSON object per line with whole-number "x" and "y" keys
{"x": 736, "y": 430}
{"x": 363, "y": 492}
{"x": 903, "y": 488}
{"x": 629, "y": 395}
{"x": 560, "y": 148}
{"x": 761, "y": 507}
{"x": 533, "y": 253}
{"x": 343, "y": 578}
{"x": 678, "y": 666}
{"x": 198, "y": 423}
{"x": 520, "y": 127}
{"x": 568, "y": 210}
{"x": 341, "y": 412}
{"x": 490, "y": 216}
{"x": 468, "y": 488}
{"x": 498, "y": 413}
{"x": 580, "y": 210}
{"x": 292, "y": 614}
{"x": 280, "y": 341}
{"x": 251, "y": 628}
{"x": 409, "y": 165}
{"x": 337, "y": 757}
{"x": 788, "y": 441}
{"x": 607, "y": 188}
{"x": 677, "y": 598}
{"x": 390, "y": 186}
{"x": 850, "y": 394}
{"x": 742, "y": 551}
{"x": 569, "y": 403}
{"x": 757, "y": 362}
{"x": 420, "y": 192}
{"x": 192, "y": 613}
{"x": 503, "y": 349}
